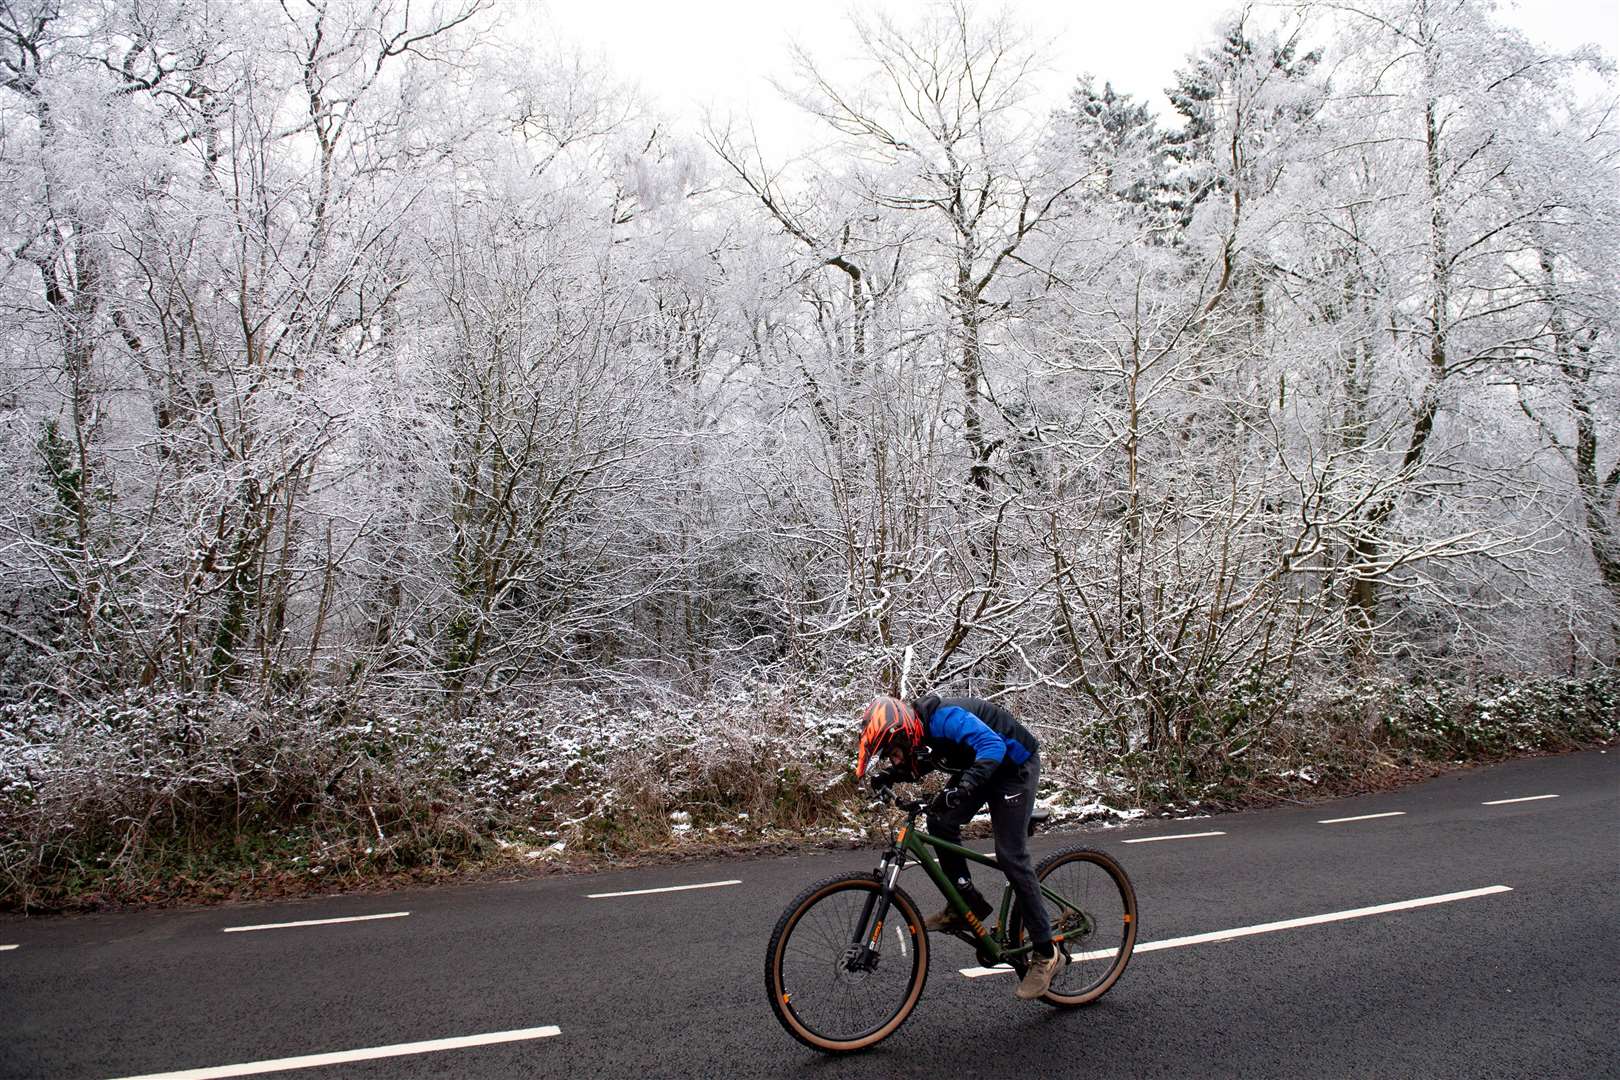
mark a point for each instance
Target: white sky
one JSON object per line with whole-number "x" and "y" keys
{"x": 690, "y": 54}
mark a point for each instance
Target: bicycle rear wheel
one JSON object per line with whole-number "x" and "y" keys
{"x": 821, "y": 988}
{"x": 1095, "y": 916}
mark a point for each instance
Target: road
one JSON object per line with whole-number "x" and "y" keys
{"x": 1521, "y": 982}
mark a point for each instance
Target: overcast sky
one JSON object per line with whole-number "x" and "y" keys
{"x": 689, "y": 54}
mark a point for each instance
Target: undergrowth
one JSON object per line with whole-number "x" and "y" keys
{"x": 145, "y": 797}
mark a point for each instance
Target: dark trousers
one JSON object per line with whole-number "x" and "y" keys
{"x": 1011, "y": 795}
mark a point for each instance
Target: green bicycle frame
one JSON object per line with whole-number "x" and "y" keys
{"x": 920, "y": 847}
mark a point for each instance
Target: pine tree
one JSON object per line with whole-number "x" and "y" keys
{"x": 1118, "y": 138}
{"x": 1235, "y": 99}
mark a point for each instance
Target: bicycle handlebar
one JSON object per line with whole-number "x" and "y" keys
{"x": 910, "y": 806}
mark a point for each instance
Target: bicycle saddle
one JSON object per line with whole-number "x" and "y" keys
{"x": 1037, "y": 818}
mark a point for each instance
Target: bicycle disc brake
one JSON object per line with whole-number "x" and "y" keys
{"x": 859, "y": 959}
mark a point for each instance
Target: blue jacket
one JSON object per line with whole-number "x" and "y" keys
{"x": 972, "y": 737}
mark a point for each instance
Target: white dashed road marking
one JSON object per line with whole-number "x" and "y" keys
{"x": 1361, "y": 817}
{"x": 667, "y": 888}
{"x": 1522, "y": 798}
{"x": 1271, "y": 927}
{"x": 311, "y": 1061}
{"x": 1177, "y": 836}
{"x": 6, "y": 948}
{"x": 315, "y": 922}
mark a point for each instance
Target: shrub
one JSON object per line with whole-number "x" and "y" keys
{"x": 139, "y": 795}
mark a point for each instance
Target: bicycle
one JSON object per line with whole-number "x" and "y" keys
{"x": 835, "y": 986}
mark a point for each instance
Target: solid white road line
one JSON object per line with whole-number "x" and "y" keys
{"x": 310, "y": 1061}
{"x": 314, "y": 922}
{"x": 668, "y": 888}
{"x": 1361, "y": 817}
{"x": 1271, "y": 927}
{"x": 1522, "y": 798}
{"x": 1177, "y": 836}
{"x": 7, "y": 948}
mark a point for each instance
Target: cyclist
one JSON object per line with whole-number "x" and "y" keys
{"x": 994, "y": 759}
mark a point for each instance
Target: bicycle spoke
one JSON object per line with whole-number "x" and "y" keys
{"x": 1092, "y": 921}
{"x": 1093, "y": 909}
{"x": 829, "y": 998}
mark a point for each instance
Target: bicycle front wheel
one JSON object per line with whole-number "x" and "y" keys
{"x": 825, "y": 988}
{"x": 1093, "y": 909}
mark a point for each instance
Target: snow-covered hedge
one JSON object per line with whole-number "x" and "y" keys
{"x": 115, "y": 793}
{"x": 148, "y": 794}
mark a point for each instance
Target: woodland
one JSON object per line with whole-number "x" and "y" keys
{"x": 416, "y": 451}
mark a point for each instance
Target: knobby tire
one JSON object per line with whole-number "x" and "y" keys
{"x": 821, "y": 1003}
{"x": 1110, "y": 901}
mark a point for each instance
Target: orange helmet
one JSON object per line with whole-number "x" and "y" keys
{"x": 889, "y": 728}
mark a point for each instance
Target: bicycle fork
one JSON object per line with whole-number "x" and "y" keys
{"x": 866, "y": 943}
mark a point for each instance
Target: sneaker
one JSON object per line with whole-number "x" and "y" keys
{"x": 947, "y": 922}
{"x": 1040, "y": 975}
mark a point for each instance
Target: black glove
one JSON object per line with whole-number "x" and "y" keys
{"x": 946, "y": 801}
{"x": 884, "y": 779}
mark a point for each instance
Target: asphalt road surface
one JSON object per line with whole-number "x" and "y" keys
{"x": 1522, "y": 980}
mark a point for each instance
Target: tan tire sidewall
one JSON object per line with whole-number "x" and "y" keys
{"x": 784, "y": 1011}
